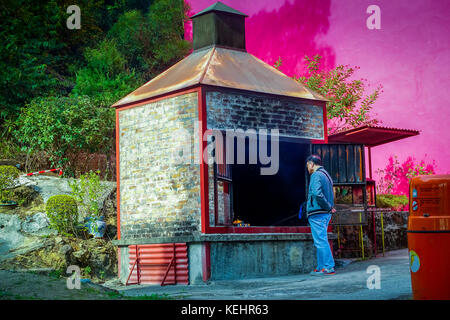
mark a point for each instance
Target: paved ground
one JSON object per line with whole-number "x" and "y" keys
{"x": 349, "y": 283}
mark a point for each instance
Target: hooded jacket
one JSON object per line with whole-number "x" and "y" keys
{"x": 320, "y": 193}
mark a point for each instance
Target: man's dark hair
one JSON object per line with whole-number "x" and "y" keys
{"x": 314, "y": 158}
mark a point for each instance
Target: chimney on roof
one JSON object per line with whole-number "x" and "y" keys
{"x": 219, "y": 25}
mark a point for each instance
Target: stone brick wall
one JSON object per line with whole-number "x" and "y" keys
{"x": 232, "y": 110}
{"x": 158, "y": 196}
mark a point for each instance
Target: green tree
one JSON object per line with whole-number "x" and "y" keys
{"x": 349, "y": 105}
{"x": 153, "y": 41}
{"x": 105, "y": 78}
{"x": 38, "y": 52}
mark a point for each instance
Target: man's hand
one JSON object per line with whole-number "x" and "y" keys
{"x": 333, "y": 210}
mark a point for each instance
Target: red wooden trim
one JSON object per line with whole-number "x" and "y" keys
{"x": 157, "y": 98}
{"x": 232, "y": 229}
{"x": 206, "y": 261}
{"x": 204, "y": 196}
{"x": 118, "y": 173}
{"x": 136, "y": 263}
{"x": 172, "y": 262}
{"x": 131, "y": 272}
{"x": 325, "y": 122}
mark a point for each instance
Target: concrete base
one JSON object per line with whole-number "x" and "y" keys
{"x": 240, "y": 256}
{"x": 124, "y": 264}
{"x": 250, "y": 259}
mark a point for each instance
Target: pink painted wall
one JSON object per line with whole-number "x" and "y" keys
{"x": 409, "y": 56}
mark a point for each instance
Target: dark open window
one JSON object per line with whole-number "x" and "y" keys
{"x": 271, "y": 200}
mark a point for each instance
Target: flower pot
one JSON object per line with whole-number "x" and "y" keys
{"x": 96, "y": 226}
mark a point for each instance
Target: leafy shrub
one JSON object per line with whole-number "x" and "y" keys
{"x": 396, "y": 202}
{"x": 9, "y": 149}
{"x": 7, "y": 176}
{"x": 62, "y": 211}
{"x": 87, "y": 192}
{"x": 65, "y": 125}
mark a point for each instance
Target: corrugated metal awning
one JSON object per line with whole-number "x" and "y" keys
{"x": 221, "y": 67}
{"x": 371, "y": 136}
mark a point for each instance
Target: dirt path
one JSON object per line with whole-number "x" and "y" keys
{"x": 32, "y": 286}
{"x": 25, "y": 285}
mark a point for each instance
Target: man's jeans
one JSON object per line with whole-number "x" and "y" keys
{"x": 319, "y": 224}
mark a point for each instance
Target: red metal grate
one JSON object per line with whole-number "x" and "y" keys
{"x": 165, "y": 263}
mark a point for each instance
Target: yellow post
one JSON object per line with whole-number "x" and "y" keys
{"x": 382, "y": 231}
{"x": 361, "y": 235}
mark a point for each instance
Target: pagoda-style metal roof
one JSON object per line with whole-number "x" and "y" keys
{"x": 371, "y": 136}
{"x": 222, "y": 67}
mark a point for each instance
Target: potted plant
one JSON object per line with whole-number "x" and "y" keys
{"x": 7, "y": 176}
{"x": 87, "y": 191}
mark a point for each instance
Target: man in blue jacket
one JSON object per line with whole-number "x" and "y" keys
{"x": 320, "y": 207}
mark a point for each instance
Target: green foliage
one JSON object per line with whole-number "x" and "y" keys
{"x": 391, "y": 201}
{"x": 61, "y": 125}
{"x": 87, "y": 192}
{"x": 125, "y": 32}
{"x": 7, "y": 176}
{"x": 153, "y": 296}
{"x": 349, "y": 106}
{"x": 86, "y": 271}
{"x": 62, "y": 212}
{"x": 115, "y": 8}
{"x": 153, "y": 41}
{"x": 9, "y": 149}
{"x": 105, "y": 78}
{"x": 38, "y": 49}
{"x": 56, "y": 274}
{"x": 57, "y": 84}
